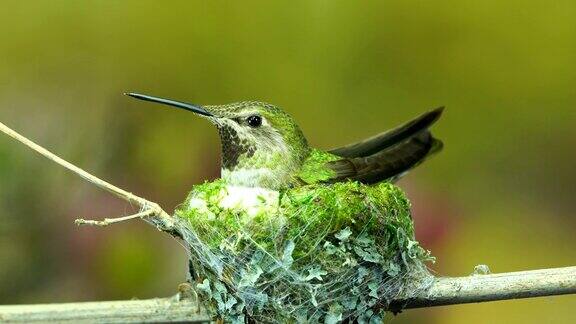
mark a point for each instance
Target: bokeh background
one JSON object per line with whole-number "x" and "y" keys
{"x": 501, "y": 193}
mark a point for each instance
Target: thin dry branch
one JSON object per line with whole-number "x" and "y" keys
{"x": 444, "y": 290}
{"x": 162, "y": 221}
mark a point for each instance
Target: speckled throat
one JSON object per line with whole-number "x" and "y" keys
{"x": 262, "y": 160}
{"x": 233, "y": 147}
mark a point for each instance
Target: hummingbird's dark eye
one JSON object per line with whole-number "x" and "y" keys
{"x": 254, "y": 121}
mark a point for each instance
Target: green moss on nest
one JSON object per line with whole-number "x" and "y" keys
{"x": 317, "y": 253}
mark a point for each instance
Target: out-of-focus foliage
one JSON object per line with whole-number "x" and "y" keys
{"x": 501, "y": 192}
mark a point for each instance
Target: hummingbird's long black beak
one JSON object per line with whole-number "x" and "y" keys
{"x": 182, "y": 105}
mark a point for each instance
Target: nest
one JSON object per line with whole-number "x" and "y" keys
{"x": 317, "y": 253}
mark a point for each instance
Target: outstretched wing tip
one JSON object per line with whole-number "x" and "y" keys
{"x": 391, "y": 154}
{"x": 391, "y": 137}
{"x": 436, "y": 113}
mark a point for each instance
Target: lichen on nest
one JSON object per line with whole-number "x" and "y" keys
{"x": 316, "y": 253}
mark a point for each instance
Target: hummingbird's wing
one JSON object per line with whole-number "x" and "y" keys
{"x": 389, "y": 138}
{"x": 389, "y": 155}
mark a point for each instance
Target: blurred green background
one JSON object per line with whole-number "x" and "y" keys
{"x": 501, "y": 192}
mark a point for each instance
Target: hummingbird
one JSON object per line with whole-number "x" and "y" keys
{"x": 263, "y": 147}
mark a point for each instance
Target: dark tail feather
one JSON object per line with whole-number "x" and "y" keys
{"x": 390, "y": 163}
{"x": 389, "y": 138}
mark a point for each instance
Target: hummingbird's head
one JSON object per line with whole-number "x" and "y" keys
{"x": 261, "y": 144}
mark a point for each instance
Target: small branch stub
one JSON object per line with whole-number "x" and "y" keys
{"x": 108, "y": 221}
